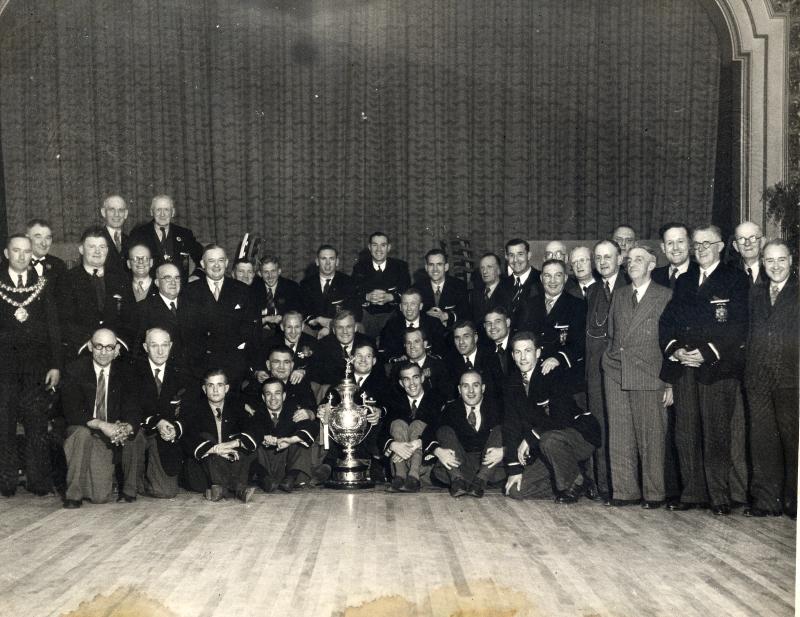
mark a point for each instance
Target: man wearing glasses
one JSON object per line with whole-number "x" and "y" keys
{"x": 748, "y": 242}
{"x": 701, "y": 335}
{"x": 102, "y": 417}
{"x": 140, "y": 262}
{"x": 580, "y": 260}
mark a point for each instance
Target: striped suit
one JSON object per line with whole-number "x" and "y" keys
{"x": 637, "y": 419}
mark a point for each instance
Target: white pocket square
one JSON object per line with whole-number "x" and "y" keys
{"x": 241, "y": 346}
{"x": 237, "y": 307}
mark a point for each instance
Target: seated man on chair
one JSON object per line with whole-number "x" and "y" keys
{"x": 545, "y": 433}
{"x": 218, "y": 441}
{"x": 102, "y": 414}
{"x": 467, "y": 440}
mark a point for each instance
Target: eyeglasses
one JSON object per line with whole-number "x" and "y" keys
{"x": 139, "y": 260}
{"x": 169, "y": 278}
{"x": 106, "y": 348}
{"x": 580, "y": 262}
{"x": 749, "y": 239}
{"x": 705, "y": 245}
{"x": 554, "y": 254}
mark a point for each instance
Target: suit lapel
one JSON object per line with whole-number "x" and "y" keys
{"x": 635, "y": 317}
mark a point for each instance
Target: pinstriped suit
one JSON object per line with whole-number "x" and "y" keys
{"x": 637, "y": 419}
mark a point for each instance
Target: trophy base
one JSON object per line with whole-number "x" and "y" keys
{"x": 350, "y": 474}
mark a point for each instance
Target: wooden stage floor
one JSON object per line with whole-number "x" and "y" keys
{"x": 320, "y": 552}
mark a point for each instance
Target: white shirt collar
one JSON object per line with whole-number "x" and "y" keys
{"x": 90, "y": 270}
{"x": 682, "y": 269}
{"x": 376, "y": 265}
{"x": 211, "y": 284}
{"x": 640, "y": 291}
{"x": 167, "y": 300}
{"x": 471, "y": 356}
{"x": 154, "y": 366}
{"x": 146, "y": 281}
{"x": 523, "y": 278}
{"x": 322, "y": 280}
{"x": 158, "y": 229}
{"x": 781, "y": 285}
{"x": 440, "y": 284}
{"x": 98, "y": 368}
{"x": 611, "y": 281}
{"x": 554, "y": 298}
{"x": 755, "y": 269}
{"x": 504, "y": 342}
{"x": 491, "y": 288}
{"x": 15, "y": 275}
{"x": 708, "y": 272}
{"x": 111, "y": 231}
{"x": 418, "y": 399}
{"x": 414, "y": 324}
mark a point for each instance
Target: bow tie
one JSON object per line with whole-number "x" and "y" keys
{"x": 36, "y": 261}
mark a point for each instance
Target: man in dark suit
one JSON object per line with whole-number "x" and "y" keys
{"x": 140, "y": 265}
{"x": 545, "y": 433}
{"x": 556, "y": 249}
{"x": 410, "y": 315}
{"x": 327, "y": 366}
{"x": 223, "y": 321}
{"x": 102, "y": 413}
{"x": 771, "y": 383}
{"x": 625, "y": 237}
{"x": 290, "y": 335}
{"x": 467, "y": 354}
{"x": 167, "y": 310}
{"x": 284, "y": 440}
{"x": 90, "y": 297}
{"x": 244, "y": 271}
{"x": 408, "y": 415}
{"x": 435, "y": 374}
{"x": 524, "y": 281}
{"x": 218, "y": 441}
{"x": 748, "y": 240}
{"x": 608, "y": 260}
{"x": 497, "y": 324}
{"x": 467, "y": 440}
{"x": 701, "y": 336}
{"x": 488, "y": 294}
{"x": 581, "y": 260}
{"x": 280, "y": 363}
{"x": 558, "y": 320}
{"x": 114, "y": 212}
{"x": 161, "y": 386}
{"x": 41, "y": 235}
{"x": 379, "y": 280}
{"x": 167, "y": 241}
{"x": 443, "y": 296}
{"x": 636, "y": 398}
{"x": 31, "y": 340}
{"x": 328, "y": 291}
{"x": 274, "y": 295}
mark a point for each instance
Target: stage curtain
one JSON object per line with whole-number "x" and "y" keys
{"x": 320, "y": 121}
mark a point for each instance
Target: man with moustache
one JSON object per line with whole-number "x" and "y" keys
{"x": 223, "y": 321}
{"x": 140, "y": 264}
{"x": 41, "y": 235}
{"x": 114, "y": 212}
{"x": 410, "y": 315}
{"x": 523, "y": 283}
{"x": 581, "y": 260}
{"x": 489, "y": 293}
{"x": 748, "y": 240}
{"x": 771, "y": 383}
{"x": 497, "y": 324}
{"x": 31, "y": 340}
{"x": 380, "y": 280}
{"x": 90, "y": 297}
{"x": 274, "y": 295}
{"x": 444, "y": 296}
{"x": 167, "y": 241}
{"x": 636, "y": 398}
{"x": 701, "y": 336}
{"x": 328, "y": 291}
{"x": 608, "y": 260}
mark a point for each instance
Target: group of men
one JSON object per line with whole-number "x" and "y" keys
{"x": 598, "y": 376}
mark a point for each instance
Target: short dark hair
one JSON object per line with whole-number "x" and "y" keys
{"x": 524, "y": 335}
{"x": 500, "y": 310}
{"x": 213, "y": 372}
{"x": 269, "y": 259}
{"x": 280, "y": 348}
{"x": 490, "y": 254}
{"x": 327, "y": 247}
{"x": 613, "y": 243}
{"x": 407, "y": 364}
{"x": 433, "y": 252}
{"x": 212, "y": 246}
{"x": 673, "y": 225}
{"x": 14, "y": 237}
{"x": 272, "y": 381}
{"x": 468, "y": 371}
{"x": 555, "y": 262}
{"x": 39, "y": 222}
{"x": 342, "y": 315}
{"x": 776, "y": 242}
{"x": 365, "y": 343}
{"x": 412, "y": 291}
{"x": 412, "y": 330}
{"x": 515, "y": 241}
{"x": 93, "y": 231}
{"x": 465, "y": 323}
{"x": 375, "y": 234}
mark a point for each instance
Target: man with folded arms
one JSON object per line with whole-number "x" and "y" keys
{"x": 467, "y": 440}
{"x": 218, "y": 442}
{"x": 636, "y": 397}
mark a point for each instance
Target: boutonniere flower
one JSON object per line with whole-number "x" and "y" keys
{"x": 48, "y": 266}
{"x": 305, "y": 352}
{"x": 178, "y": 239}
{"x": 426, "y": 373}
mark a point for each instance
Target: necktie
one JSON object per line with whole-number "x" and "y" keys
{"x": 216, "y": 290}
{"x": 486, "y": 294}
{"x": 326, "y": 288}
{"x": 38, "y": 265}
{"x": 607, "y": 291}
{"x": 517, "y": 285}
{"x": 139, "y": 291}
{"x": 173, "y": 309}
{"x": 437, "y": 295}
{"x": 19, "y": 280}
{"x": 774, "y": 290}
{"x": 585, "y": 289}
{"x": 673, "y": 274}
{"x": 270, "y": 300}
{"x": 413, "y": 409}
{"x": 635, "y": 298}
{"x": 548, "y": 305}
{"x": 163, "y": 240}
{"x": 703, "y": 278}
{"x": 118, "y": 241}
{"x": 750, "y": 273}
{"x": 499, "y": 349}
{"x": 345, "y": 353}
{"x": 99, "y": 289}
{"x": 467, "y": 363}
{"x": 525, "y": 382}
{"x": 218, "y": 418}
{"x": 472, "y": 418}
{"x": 156, "y": 373}
{"x": 100, "y": 397}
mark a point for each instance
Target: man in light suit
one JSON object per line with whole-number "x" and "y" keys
{"x": 636, "y": 398}
{"x": 771, "y": 384}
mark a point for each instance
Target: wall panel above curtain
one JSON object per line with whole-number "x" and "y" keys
{"x": 315, "y": 121}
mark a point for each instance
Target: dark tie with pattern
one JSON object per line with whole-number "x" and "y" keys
{"x": 345, "y": 353}
{"x": 548, "y": 305}
{"x": 774, "y": 290}
{"x": 173, "y": 309}
{"x": 673, "y": 275}
{"x": 472, "y": 418}
{"x": 607, "y": 291}
{"x": 467, "y": 364}
{"x": 437, "y": 295}
{"x": 162, "y": 241}
{"x": 525, "y": 382}
{"x": 270, "y": 301}
{"x": 635, "y": 298}
{"x": 750, "y": 273}
{"x": 19, "y": 280}
{"x": 118, "y": 241}
{"x": 218, "y": 417}
{"x": 703, "y": 278}
{"x": 100, "y": 397}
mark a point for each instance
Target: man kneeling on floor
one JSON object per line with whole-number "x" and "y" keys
{"x": 285, "y": 437}
{"x": 467, "y": 440}
{"x": 544, "y": 431}
{"x": 218, "y": 442}
{"x": 102, "y": 416}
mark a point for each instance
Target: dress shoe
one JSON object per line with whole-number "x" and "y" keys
{"x": 753, "y": 512}
{"x": 621, "y": 503}
{"x": 72, "y": 504}
{"x": 126, "y": 498}
{"x": 397, "y": 485}
{"x": 567, "y": 496}
{"x": 376, "y": 471}
{"x": 215, "y": 493}
{"x": 267, "y": 484}
{"x": 722, "y": 509}
{"x": 321, "y": 473}
{"x": 411, "y": 485}
{"x": 287, "y": 485}
{"x": 680, "y": 506}
{"x": 245, "y": 494}
{"x": 39, "y": 492}
{"x": 652, "y": 505}
{"x": 477, "y": 488}
{"x": 458, "y": 488}
{"x": 590, "y": 490}
{"x": 790, "y": 512}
